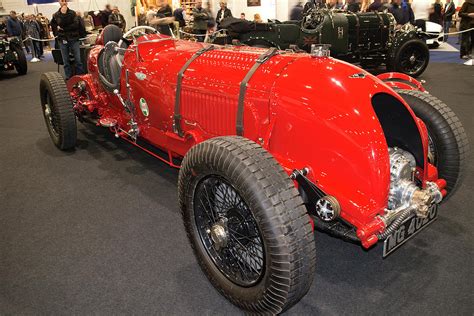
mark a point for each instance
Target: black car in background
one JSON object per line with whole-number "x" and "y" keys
{"x": 12, "y": 55}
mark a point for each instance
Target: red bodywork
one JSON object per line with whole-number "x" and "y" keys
{"x": 307, "y": 112}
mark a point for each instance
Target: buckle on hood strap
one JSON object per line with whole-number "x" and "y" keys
{"x": 177, "y": 105}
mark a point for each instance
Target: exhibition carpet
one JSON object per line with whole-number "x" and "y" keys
{"x": 98, "y": 231}
{"x": 447, "y": 52}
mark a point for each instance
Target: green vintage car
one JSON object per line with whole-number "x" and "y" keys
{"x": 369, "y": 39}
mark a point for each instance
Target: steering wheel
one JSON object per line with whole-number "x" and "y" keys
{"x": 133, "y": 30}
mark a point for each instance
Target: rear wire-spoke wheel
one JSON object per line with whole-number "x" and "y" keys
{"x": 247, "y": 224}
{"x": 58, "y": 111}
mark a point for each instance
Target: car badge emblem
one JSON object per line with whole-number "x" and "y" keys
{"x": 144, "y": 107}
{"x": 140, "y": 75}
{"x": 359, "y": 75}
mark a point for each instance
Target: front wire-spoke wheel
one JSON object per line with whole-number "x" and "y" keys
{"x": 229, "y": 231}
{"x": 247, "y": 224}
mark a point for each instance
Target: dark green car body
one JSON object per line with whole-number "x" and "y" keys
{"x": 369, "y": 39}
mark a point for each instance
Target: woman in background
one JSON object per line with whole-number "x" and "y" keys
{"x": 88, "y": 21}
{"x": 365, "y": 5}
{"x": 436, "y": 16}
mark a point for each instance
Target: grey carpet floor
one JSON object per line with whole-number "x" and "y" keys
{"x": 97, "y": 230}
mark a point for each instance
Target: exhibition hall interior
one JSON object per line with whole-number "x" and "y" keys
{"x": 206, "y": 157}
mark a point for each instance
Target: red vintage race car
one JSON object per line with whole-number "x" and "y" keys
{"x": 270, "y": 144}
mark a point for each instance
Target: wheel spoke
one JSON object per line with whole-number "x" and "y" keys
{"x": 229, "y": 231}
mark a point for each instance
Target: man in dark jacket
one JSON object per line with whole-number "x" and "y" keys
{"x": 32, "y": 30}
{"x": 117, "y": 18}
{"x": 104, "y": 15}
{"x": 179, "y": 14}
{"x": 375, "y": 6}
{"x": 163, "y": 19}
{"x": 223, "y": 13}
{"x": 467, "y": 21}
{"x": 402, "y": 12}
{"x": 201, "y": 17}
{"x": 66, "y": 27}
{"x": 14, "y": 26}
{"x": 165, "y": 11}
{"x": 353, "y": 6}
{"x": 449, "y": 10}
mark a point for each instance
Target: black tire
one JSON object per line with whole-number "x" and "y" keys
{"x": 411, "y": 58}
{"x": 61, "y": 120}
{"x": 450, "y": 144}
{"x": 277, "y": 209}
{"x": 21, "y": 65}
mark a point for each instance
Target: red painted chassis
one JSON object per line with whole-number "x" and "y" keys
{"x": 313, "y": 113}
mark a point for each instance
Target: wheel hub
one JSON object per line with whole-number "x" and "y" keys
{"x": 219, "y": 234}
{"x": 47, "y": 113}
{"x": 412, "y": 59}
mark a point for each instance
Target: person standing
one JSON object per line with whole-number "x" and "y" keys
{"x": 375, "y": 6}
{"x": 104, "y": 15}
{"x": 297, "y": 12}
{"x": 223, "y": 13}
{"x": 449, "y": 11}
{"x": 180, "y": 16}
{"x": 436, "y": 15}
{"x": 14, "y": 27}
{"x": 88, "y": 22}
{"x": 353, "y": 6}
{"x": 66, "y": 27}
{"x": 151, "y": 13}
{"x": 421, "y": 10}
{"x": 165, "y": 11}
{"x": 201, "y": 16}
{"x": 116, "y": 18}
{"x": 257, "y": 18}
{"x": 467, "y": 21}
{"x": 402, "y": 12}
{"x": 32, "y": 31}
{"x": 364, "y": 6}
{"x": 162, "y": 19}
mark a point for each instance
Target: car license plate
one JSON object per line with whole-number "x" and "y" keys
{"x": 409, "y": 228}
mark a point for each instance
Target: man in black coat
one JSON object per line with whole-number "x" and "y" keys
{"x": 402, "y": 12}
{"x": 179, "y": 14}
{"x": 117, "y": 18}
{"x": 467, "y": 21}
{"x": 223, "y": 13}
{"x": 67, "y": 28}
{"x": 449, "y": 10}
{"x": 104, "y": 15}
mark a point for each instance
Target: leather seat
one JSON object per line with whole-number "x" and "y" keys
{"x": 110, "y": 58}
{"x": 111, "y": 33}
